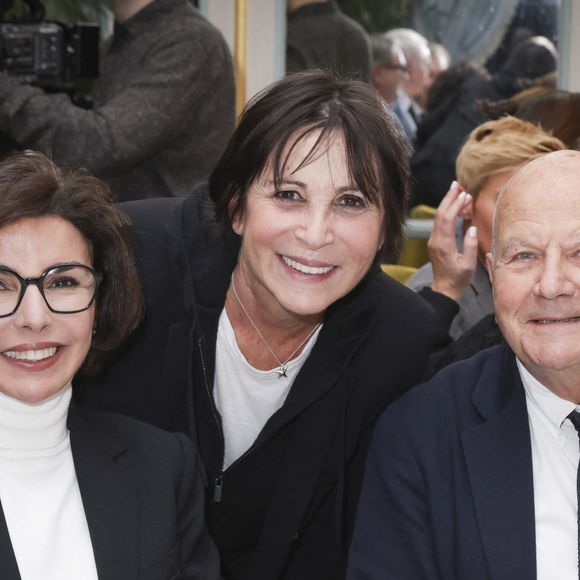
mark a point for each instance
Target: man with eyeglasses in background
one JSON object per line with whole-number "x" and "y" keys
{"x": 417, "y": 79}
{"x": 389, "y": 67}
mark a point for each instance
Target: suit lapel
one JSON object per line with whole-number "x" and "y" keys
{"x": 499, "y": 463}
{"x": 346, "y": 326}
{"x": 177, "y": 371}
{"x": 8, "y": 566}
{"x": 110, "y": 496}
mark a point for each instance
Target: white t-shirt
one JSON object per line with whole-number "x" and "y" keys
{"x": 247, "y": 397}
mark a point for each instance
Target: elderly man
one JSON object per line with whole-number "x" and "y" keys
{"x": 440, "y": 62}
{"x": 389, "y": 67}
{"x": 474, "y": 474}
{"x": 416, "y": 82}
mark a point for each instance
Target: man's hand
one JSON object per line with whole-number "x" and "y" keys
{"x": 452, "y": 270}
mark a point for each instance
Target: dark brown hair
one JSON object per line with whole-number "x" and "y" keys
{"x": 555, "y": 111}
{"x": 293, "y": 108}
{"x": 32, "y": 186}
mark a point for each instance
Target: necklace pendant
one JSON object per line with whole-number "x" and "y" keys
{"x": 281, "y": 372}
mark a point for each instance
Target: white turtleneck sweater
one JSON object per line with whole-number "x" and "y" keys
{"x": 39, "y": 491}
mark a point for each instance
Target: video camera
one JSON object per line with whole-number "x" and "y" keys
{"x": 48, "y": 54}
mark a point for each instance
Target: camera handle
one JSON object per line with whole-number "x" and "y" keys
{"x": 37, "y": 10}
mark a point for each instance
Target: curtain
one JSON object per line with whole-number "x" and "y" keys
{"x": 469, "y": 29}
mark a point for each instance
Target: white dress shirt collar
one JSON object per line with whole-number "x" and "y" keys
{"x": 553, "y": 407}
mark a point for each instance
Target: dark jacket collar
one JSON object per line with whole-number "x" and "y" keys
{"x": 498, "y": 384}
{"x": 109, "y": 495}
{"x": 8, "y": 565}
{"x": 212, "y": 253}
{"x": 209, "y": 255}
{"x": 346, "y": 324}
{"x": 109, "y": 491}
{"x": 498, "y": 457}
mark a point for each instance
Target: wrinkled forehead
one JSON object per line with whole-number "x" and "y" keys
{"x": 545, "y": 190}
{"x": 301, "y": 148}
{"x": 307, "y": 145}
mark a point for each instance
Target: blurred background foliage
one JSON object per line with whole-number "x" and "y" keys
{"x": 62, "y": 10}
{"x": 379, "y": 15}
{"x": 76, "y": 10}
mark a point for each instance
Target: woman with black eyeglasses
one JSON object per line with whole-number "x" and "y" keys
{"x": 83, "y": 495}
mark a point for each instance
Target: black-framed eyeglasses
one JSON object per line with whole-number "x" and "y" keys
{"x": 66, "y": 288}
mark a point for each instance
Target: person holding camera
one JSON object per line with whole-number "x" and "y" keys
{"x": 163, "y": 107}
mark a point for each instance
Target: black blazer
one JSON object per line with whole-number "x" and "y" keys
{"x": 285, "y": 509}
{"x": 143, "y": 499}
{"x": 448, "y": 491}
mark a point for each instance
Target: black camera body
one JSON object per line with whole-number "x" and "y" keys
{"x": 48, "y": 54}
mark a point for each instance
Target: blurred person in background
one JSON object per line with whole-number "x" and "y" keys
{"x": 453, "y": 111}
{"x": 418, "y": 57}
{"x": 555, "y": 110}
{"x": 163, "y": 106}
{"x": 440, "y": 62}
{"x": 319, "y": 35}
{"x": 389, "y": 67}
{"x": 440, "y": 59}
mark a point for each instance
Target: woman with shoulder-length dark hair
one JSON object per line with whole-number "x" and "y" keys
{"x": 83, "y": 494}
{"x": 271, "y": 335}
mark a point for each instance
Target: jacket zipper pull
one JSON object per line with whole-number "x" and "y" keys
{"x": 217, "y": 490}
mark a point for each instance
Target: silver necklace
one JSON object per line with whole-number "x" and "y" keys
{"x": 282, "y": 366}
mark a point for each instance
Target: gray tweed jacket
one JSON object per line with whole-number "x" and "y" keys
{"x": 476, "y": 302}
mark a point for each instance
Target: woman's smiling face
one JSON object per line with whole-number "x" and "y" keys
{"x": 40, "y": 351}
{"x": 309, "y": 242}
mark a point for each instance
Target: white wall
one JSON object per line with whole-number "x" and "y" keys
{"x": 266, "y": 37}
{"x": 266, "y": 43}
{"x": 221, "y": 13}
{"x": 569, "y": 77}
{"x": 574, "y": 47}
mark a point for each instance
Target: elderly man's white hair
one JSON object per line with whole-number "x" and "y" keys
{"x": 414, "y": 45}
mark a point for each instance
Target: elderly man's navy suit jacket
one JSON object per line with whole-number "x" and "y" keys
{"x": 448, "y": 490}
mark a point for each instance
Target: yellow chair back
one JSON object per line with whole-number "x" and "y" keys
{"x": 423, "y": 212}
{"x": 398, "y": 272}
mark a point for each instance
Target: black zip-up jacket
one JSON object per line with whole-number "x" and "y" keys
{"x": 285, "y": 509}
